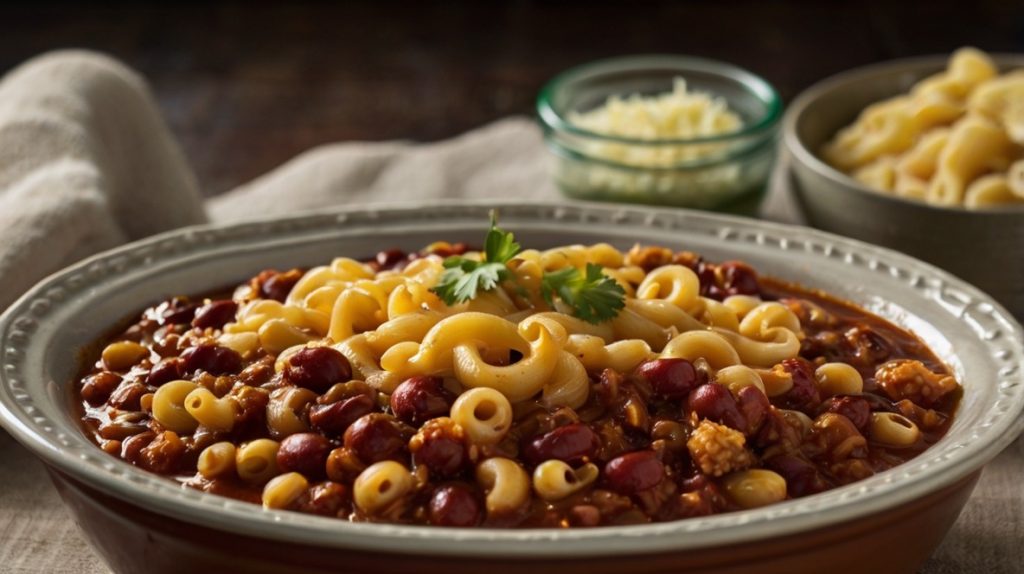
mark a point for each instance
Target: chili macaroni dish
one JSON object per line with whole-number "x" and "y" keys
{"x": 353, "y": 390}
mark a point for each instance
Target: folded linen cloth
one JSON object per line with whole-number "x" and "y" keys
{"x": 86, "y": 163}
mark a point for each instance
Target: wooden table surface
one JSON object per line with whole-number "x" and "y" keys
{"x": 245, "y": 86}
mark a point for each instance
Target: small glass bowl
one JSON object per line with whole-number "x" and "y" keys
{"x": 725, "y": 172}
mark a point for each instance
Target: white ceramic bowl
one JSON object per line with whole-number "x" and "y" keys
{"x": 42, "y": 333}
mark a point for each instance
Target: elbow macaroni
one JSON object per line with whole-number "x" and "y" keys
{"x": 391, "y": 327}
{"x": 283, "y": 490}
{"x": 838, "y": 379}
{"x": 506, "y": 483}
{"x": 893, "y": 429}
{"x": 485, "y": 415}
{"x": 946, "y": 142}
{"x": 381, "y": 485}
{"x": 504, "y": 348}
{"x": 169, "y": 406}
{"x": 554, "y": 480}
{"x": 217, "y": 460}
{"x": 209, "y": 411}
{"x": 283, "y": 408}
{"x": 256, "y": 461}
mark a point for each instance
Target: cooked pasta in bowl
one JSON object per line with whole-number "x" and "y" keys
{"x": 568, "y": 387}
{"x": 957, "y": 139}
{"x": 893, "y": 152}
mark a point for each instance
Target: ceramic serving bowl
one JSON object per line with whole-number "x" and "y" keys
{"x": 141, "y": 522}
{"x": 985, "y": 247}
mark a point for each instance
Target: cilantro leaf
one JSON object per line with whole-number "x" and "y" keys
{"x": 552, "y": 281}
{"x": 500, "y": 246}
{"x": 594, "y": 296}
{"x": 463, "y": 278}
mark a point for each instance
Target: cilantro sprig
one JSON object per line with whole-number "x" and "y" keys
{"x": 463, "y": 278}
{"x": 593, "y": 296}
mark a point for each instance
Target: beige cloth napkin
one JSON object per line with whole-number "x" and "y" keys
{"x": 86, "y": 163}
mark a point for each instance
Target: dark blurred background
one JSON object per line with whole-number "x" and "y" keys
{"x": 246, "y": 85}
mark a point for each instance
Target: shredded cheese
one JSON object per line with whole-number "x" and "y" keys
{"x": 677, "y": 115}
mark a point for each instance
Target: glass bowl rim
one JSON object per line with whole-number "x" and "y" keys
{"x": 753, "y": 83}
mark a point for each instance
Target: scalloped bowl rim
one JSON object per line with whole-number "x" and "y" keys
{"x": 960, "y": 456}
{"x": 863, "y": 74}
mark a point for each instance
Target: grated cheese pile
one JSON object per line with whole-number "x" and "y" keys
{"x": 679, "y": 114}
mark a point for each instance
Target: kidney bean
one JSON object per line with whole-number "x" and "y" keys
{"x": 755, "y": 406}
{"x": 802, "y": 478}
{"x": 706, "y": 274}
{"x": 175, "y": 311}
{"x": 573, "y": 443}
{"x": 442, "y": 455}
{"x": 305, "y": 453}
{"x": 96, "y": 389}
{"x": 127, "y": 396}
{"x": 278, "y": 285}
{"x": 419, "y": 399}
{"x": 855, "y": 408}
{"x": 440, "y": 447}
{"x": 738, "y": 278}
{"x": 390, "y": 258}
{"x": 317, "y": 368}
{"x": 634, "y": 472}
{"x": 804, "y": 395}
{"x": 716, "y": 403}
{"x": 215, "y": 314}
{"x": 671, "y": 378}
{"x": 335, "y": 418}
{"x": 166, "y": 371}
{"x": 122, "y": 427}
{"x": 213, "y": 359}
{"x": 375, "y": 437}
{"x": 132, "y": 446}
{"x": 455, "y": 505}
{"x": 165, "y": 342}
